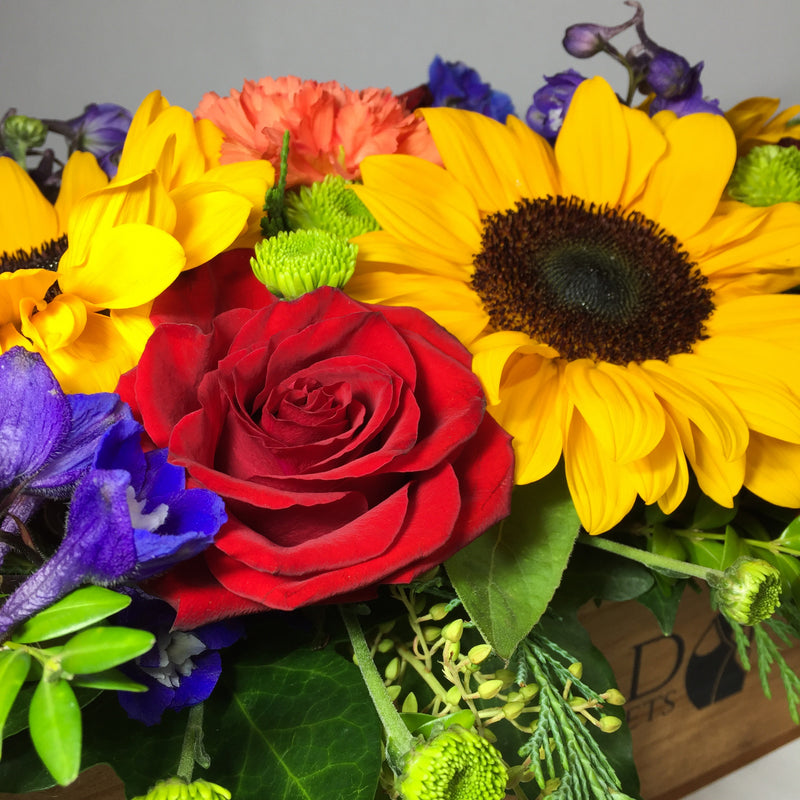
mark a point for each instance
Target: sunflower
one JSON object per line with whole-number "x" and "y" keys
{"x": 620, "y": 316}
{"x": 78, "y": 277}
{"x": 755, "y": 122}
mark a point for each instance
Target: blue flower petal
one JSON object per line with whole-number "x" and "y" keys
{"x": 34, "y": 415}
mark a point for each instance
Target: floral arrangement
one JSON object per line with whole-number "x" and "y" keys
{"x": 324, "y": 409}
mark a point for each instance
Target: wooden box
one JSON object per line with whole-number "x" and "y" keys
{"x": 695, "y": 714}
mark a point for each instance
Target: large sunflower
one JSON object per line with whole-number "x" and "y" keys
{"x": 619, "y": 315}
{"x": 77, "y": 278}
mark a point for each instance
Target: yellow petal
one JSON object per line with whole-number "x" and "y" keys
{"x": 209, "y": 219}
{"x": 536, "y": 161}
{"x": 27, "y": 219}
{"x": 773, "y": 470}
{"x": 685, "y": 186}
{"x": 24, "y": 283}
{"x": 533, "y": 414}
{"x": 648, "y": 144}
{"x": 600, "y": 488}
{"x": 592, "y": 146}
{"x": 135, "y": 328}
{"x": 56, "y": 324}
{"x": 82, "y": 176}
{"x": 128, "y": 265}
{"x": 485, "y": 155}
{"x": 421, "y": 203}
{"x": 619, "y": 407}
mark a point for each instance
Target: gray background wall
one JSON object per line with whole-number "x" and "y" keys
{"x": 58, "y": 55}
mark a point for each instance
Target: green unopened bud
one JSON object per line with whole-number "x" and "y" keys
{"x": 178, "y": 789}
{"x": 614, "y": 697}
{"x": 490, "y": 688}
{"x": 609, "y": 724}
{"x": 513, "y": 710}
{"x": 292, "y": 264}
{"x": 431, "y": 634}
{"x": 410, "y": 705}
{"x": 749, "y": 592}
{"x": 394, "y": 691}
{"x": 453, "y": 631}
{"x": 456, "y": 763}
{"x": 439, "y": 611}
{"x": 767, "y": 175}
{"x": 479, "y": 653}
{"x": 576, "y": 668}
{"x": 330, "y": 206}
{"x": 21, "y": 133}
{"x": 453, "y": 696}
{"x": 506, "y": 675}
{"x": 392, "y": 669}
{"x": 529, "y": 691}
{"x": 385, "y": 645}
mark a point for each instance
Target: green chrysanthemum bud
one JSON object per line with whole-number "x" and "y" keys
{"x": 749, "y": 592}
{"x": 329, "y": 206}
{"x": 291, "y": 264}
{"x": 767, "y": 175}
{"x": 457, "y": 764}
{"x": 178, "y": 789}
{"x": 21, "y": 133}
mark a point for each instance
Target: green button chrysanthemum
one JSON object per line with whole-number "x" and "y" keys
{"x": 330, "y": 206}
{"x": 292, "y": 264}
{"x": 767, "y": 175}
{"x": 750, "y": 591}
{"x": 457, "y": 764}
{"x": 177, "y": 789}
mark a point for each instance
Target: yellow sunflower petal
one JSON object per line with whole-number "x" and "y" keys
{"x": 56, "y": 324}
{"x": 134, "y": 326}
{"x": 128, "y": 265}
{"x": 535, "y": 161}
{"x": 421, "y": 203}
{"x": 82, "y": 176}
{"x": 27, "y": 219}
{"x": 533, "y": 415}
{"x": 770, "y": 317}
{"x": 483, "y": 154}
{"x": 773, "y": 470}
{"x": 697, "y": 399}
{"x": 619, "y": 407}
{"x": 673, "y": 495}
{"x": 210, "y": 217}
{"x": 685, "y": 186}
{"x": 15, "y": 286}
{"x": 592, "y": 147}
{"x": 648, "y": 145}
{"x": 601, "y": 488}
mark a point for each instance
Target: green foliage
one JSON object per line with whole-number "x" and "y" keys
{"x": 51, "y": 710}
{"x": 76, "y": 611}
{"x": 275, "y": 219}
{"x": 55, "y": 726}
{"x": 506, "y": 577}
{"x": 561, "y": 750}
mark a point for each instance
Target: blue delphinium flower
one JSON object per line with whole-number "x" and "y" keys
{"x": 551, "y": 102}
{"x": 100, "y": 130}
{"x": 182, "y": 667}
{"x": 454, "y": 84}
{"x": 47, "y": 439}
{"x": 130, "y": 515}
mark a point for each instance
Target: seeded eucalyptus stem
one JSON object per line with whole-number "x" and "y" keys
{"x": 398, "y": 738}
{"x": 652, "y": 560}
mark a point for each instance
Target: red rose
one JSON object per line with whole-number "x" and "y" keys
{"x": 349, "y": 442}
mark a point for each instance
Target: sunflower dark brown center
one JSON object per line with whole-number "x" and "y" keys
{"x": 46, "y": 256}
{"x": 590, "y": 281}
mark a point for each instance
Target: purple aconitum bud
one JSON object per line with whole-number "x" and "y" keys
{"x": 690, "y": 102}
{"x": 454, "y": 84}
{"x": 550, "y": 103}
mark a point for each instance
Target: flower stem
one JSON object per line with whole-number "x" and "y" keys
{"x": 398, "y": 738}
{"x": 652, "y": 560}
{"x": 192, "y": 751}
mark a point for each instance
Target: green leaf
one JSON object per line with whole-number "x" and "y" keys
{"x": 77, "y": 610}
{"x": 708, "y": 515}
{"x": 14, "y": 666}
{"x": 109, "y": 679}
{"x": 663, "y": 600}
{"x": 705, "y": 552}
{"x": 98, "y": 649}
{"x": 791, "y": 535}
{"x": 734, "y": 547}
{"x": 55, "y": 726}
{"x": 297, "y": 723}
{"x": 507, "y": 576}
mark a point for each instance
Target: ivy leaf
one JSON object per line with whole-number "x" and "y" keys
{"x": 507, "y": 576}
{"x": 663, "y": 599}
{"x": 77, "y": 610}
{"x": 55, "y": 726}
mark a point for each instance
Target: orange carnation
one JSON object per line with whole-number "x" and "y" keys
{"x": 332, "y": 128}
